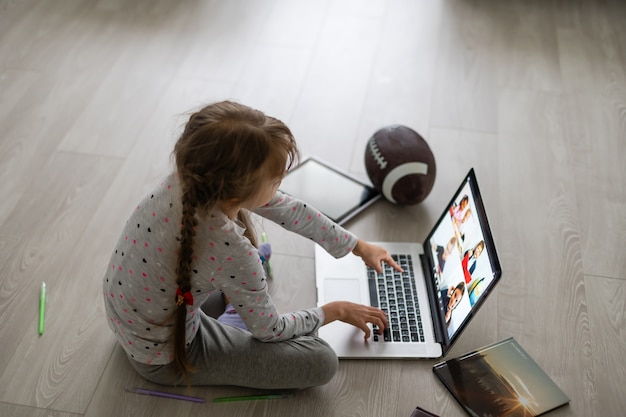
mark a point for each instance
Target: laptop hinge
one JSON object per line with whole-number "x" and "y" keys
{"x": 438, "y": 326}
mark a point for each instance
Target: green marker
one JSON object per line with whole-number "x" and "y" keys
{"x": 42, "y": 307}
{"x": 252, "y": 398}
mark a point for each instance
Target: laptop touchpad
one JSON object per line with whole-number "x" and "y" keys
{"x": 342, "y": 289}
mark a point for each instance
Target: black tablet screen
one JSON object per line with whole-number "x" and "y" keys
{"x": 336, "y": 194}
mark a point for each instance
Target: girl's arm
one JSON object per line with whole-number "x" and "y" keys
{"x": 238, "y": 272}
{"x": 299, "y": 217}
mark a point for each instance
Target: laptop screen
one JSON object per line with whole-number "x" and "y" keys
{"x": 463, "y": 258}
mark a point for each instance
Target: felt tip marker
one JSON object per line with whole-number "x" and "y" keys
{"x": 164, "y": 394}
{"x": 42, "y": 307}
{"x": 252, "y": 398}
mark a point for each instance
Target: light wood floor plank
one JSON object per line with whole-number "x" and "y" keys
{"x": 528, "y": 55}
{"x": 39, "y": 115}
{"x": 294, "y": 23}
{"x": 13, "y": 13}
{"x": 542, "y": 296}
{"x": 591, "y": 46}
{"x": 43, "y": 237}
{"x": 38, "y": 35}
{"x": 273, "y": 78}
{"x": 400, "y": 86}
{"x": 338, "y": 64}
{"x": 113, "y": 111}
{"x": 11, "y": 410}
{"x": 465, "y": 94}
{"x": 598, "y": 131}
{"x": 15, "y": 150}
{"x": 607, "y": 311}
{"x": 221, "y": 38}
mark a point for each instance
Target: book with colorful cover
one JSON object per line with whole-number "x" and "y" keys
{"x": 500, "y": 380}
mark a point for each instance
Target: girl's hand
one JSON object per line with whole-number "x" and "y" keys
{"x": 374, "y": 255}
{"x": 357, "y": 315}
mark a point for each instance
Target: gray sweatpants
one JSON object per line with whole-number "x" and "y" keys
{"x": 226, "y": 355}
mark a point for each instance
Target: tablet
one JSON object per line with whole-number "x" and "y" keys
{"x": 337, "y": 194}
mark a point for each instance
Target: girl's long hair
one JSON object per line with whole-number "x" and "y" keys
{"x": 225, "y": 152}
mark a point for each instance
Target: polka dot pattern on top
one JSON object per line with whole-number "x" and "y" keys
{"x": 139, "y": 285}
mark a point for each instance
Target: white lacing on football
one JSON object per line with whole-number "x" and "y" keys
{"x": 380, "y": 160}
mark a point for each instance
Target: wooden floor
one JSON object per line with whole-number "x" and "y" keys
{"x": 530, "y": 93}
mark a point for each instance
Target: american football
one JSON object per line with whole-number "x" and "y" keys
{"x": 400, "y": 164}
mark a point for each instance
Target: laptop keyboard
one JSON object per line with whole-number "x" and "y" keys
{"x": 395, "y": 293}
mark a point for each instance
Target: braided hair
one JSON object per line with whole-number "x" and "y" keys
{"x": 223, "y": 154}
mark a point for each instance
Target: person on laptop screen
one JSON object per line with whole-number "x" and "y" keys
{"x": 467, "y": 271}
{"x": 191, "y": 237}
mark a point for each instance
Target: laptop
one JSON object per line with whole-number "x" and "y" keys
{"x": 445, "y": 281}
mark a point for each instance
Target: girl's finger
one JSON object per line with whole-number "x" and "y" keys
{"x": 393, "y": 263}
